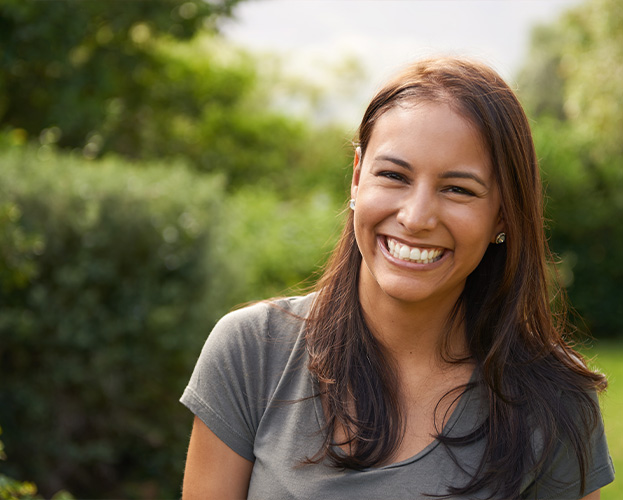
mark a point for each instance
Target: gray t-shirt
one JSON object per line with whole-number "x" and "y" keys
{"x": 251, "y": 387}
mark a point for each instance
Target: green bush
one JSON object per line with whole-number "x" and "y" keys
{"x": 17, "y": 250}
{"x": 12, "y": 489}
{"x": 75, "y": 66}
{"x": 584, "y": 208}
{"x": 273, "y": 246}
{"x": 112, "y": 276}
{"x": 102, "y": 318}
{"x": 209, "y": 103}
{"x": 570, "y": 86}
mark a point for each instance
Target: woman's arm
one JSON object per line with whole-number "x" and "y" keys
{"x": 213, "y": 469}
{"x": 595, "y": 495}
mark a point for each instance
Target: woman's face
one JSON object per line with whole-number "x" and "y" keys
{"x": 427, "y": 205}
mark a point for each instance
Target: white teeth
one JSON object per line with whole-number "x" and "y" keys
{"x": 405, "y": 252}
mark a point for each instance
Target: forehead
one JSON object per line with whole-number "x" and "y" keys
{"x": 430, "y": 129}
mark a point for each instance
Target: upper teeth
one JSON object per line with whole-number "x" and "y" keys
{"x": 421, "y": 256}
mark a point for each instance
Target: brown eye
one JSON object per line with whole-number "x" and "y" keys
{"x": 460, "y": 190}
{"x": 392, "y": 175}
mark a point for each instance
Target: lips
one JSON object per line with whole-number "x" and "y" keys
{"x": 413, "y": 254}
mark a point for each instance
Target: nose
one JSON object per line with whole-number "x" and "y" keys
{"x": 418, "y": 211}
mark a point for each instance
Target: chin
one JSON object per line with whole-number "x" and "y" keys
{"x": 407, "y": 292}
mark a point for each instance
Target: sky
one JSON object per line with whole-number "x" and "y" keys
{"x": 314, "y": 38}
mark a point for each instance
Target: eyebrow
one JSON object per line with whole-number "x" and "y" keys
{"x": 393, "y": 159}
{"x": 451, "y": 174}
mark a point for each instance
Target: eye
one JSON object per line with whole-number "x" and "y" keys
{"x": 460, "y": 190}
{"x": 392, "y": 175}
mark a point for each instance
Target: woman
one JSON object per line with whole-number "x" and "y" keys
{"x": 427, "y": 362}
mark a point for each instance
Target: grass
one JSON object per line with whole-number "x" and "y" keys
{"x": 607, "y": 357}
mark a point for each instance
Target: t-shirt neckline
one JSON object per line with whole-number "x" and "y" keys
{"x": 450, "y": 424}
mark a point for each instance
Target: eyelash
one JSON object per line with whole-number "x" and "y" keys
{"x": 460, "y": 190}
{"x": 392, "y": 175}
{"x": 453, "y": 189}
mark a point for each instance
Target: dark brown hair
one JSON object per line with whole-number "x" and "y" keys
{"x": 533, "y": 380}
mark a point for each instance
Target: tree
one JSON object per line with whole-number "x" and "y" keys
{"x": 68, "y": 65}
{"x": 147, "y": 80}
{"x": 571, "y": 87}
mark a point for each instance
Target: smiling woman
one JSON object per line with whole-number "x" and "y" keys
{"x": 427, "y": 361}
{"x": 423, "y": 194}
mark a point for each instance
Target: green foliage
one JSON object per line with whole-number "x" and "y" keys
{"x": 541, "y": 83}
{"x": 584, "y": 206}
{"x": 573, "y": 72}
{"x": 204, "y": 102}
{"x": 143, "y": 81}
{"x": 116, "y": 273}
{"x": 112, "y": 272}
{"x": 70, "y": 65}
{"x": 272, "y": 246}
{"x": 187, "y": 88}
{"x": 11, "y": 489}
{"x": 17, "y": 250}
{"x": 578, "y": 132}
{"x": 99, "y": 339}
{"x": 592, "y": 67}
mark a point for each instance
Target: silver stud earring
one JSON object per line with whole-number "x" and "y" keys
{"x": 500, "y": 238}
{"x": 352, "y": 204}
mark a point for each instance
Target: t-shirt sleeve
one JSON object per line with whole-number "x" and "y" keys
{"x": 226, "y": 389}
{"x": 561, "y": 479}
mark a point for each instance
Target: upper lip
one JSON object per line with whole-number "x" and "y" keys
{"x": 412, "y": 244}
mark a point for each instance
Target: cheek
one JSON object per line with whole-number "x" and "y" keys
{"x": 363, "y": 226}
{"x": 381, "y": 196}
{"x": 367, "y": 219}
{"x": 474, "y": 231}
{"x": 371, "y": 208}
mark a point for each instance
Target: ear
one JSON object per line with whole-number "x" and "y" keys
{"x": 354, "y": 185}
{"x": 500, "y": 226}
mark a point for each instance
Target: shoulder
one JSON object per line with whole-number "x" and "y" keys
{"x": 242, "y": 362}
{"x": 560, "y": 476}
{"x": 262, "y": 332}
{"x": 263, "y": 320}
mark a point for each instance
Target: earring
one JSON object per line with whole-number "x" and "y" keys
{"x": 500, "y": 238}
{"x": 352, "y": 204}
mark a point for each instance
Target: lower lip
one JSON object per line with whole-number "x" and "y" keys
{"x": 408, "y": 264}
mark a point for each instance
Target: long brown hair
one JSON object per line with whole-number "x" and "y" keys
{"x": 523, "y": 359}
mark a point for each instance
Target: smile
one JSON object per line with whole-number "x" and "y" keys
{"x": 413, "y": 254}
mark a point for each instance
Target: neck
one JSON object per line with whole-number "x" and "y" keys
{"x": 413, "y": 332}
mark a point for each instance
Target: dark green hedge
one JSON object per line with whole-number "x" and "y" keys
{"x": 103, "y": 311}
{"x": 584, "y": 209}
{"x": 111, "y": 277}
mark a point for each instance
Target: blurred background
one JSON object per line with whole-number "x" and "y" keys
{"x": 164, "y": 161}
